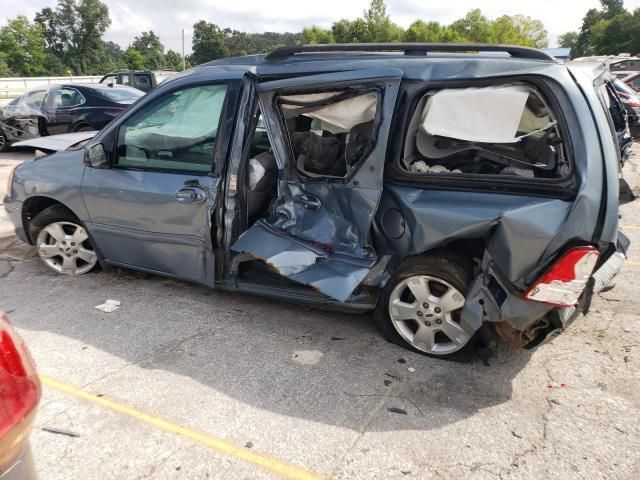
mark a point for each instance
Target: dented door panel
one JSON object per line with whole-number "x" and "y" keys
{"x": 325, "y": 221}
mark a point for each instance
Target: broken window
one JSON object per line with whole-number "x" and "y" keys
{"x": 498, "y": 130}
{"x": 330, "y": 132}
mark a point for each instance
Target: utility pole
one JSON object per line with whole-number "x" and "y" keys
{"x": 184, "y": 62}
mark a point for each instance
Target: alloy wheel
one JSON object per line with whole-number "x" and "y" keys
{"x": 425, "y": 311}
{"x": 65, "y": 248}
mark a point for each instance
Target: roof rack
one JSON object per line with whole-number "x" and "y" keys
{"x": 283, "y": 53}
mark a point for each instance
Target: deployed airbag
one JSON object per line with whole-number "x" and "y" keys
{"x": 486, "y": 115}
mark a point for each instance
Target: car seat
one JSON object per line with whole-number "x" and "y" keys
{"x": 262, "y": 183}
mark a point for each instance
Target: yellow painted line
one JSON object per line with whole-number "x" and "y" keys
{"x": 220, "y": 445}
{"x": 629, "y": 227}
{"x": 632, "y": 262}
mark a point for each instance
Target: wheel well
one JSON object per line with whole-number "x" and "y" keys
{"x": 81, "y": 124}
{"x": 33, "y": 206}
{"x": 465, "y": 249}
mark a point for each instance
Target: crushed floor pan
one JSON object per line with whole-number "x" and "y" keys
{"x": 336, "y": 275}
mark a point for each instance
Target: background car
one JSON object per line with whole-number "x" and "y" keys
{"x": 19, "y": 396}
{"x": 631, "y": 100}
{"x": 632, "y": 80}
{"x": 62, "y": 109}
{"x": 142, "y": 80}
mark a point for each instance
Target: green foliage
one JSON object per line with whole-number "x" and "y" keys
{"x": 316, "y": 35}
{"x": 568, "y": 40}
{"x": 68, "y": 37}
{"x": 608, "y": 31}
{"x": 151, "y": 48}
{"x": 208, "y": 43}
{"x": 23, "y": 47}
{"x": 173, "y": 61}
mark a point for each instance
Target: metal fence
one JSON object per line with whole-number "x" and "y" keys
{"x": 11, "y": 87}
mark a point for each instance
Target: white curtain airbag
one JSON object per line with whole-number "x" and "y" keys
{"x": 487, "y": 115}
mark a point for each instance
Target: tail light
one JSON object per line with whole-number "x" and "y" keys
{"x": 114, "y": 112}
{"x": 19, "y": 392}
{"x": 564, "y": 282}
{"x": 633, "y": 103}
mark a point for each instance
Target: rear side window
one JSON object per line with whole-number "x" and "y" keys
{"x": 109, "y": 79}
{"x": 142, "y": 81}
{"x": 330, "y": 132}
{"x": 177, "y": 132}
{"x": 501, "y": 130}
{"x": 121, "y": 94}
{"x": 67, "y": 98}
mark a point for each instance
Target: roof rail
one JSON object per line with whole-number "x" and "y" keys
{"x": 285, "y": 52}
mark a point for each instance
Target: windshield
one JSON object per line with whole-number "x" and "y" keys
{"x": 119, "y": 94}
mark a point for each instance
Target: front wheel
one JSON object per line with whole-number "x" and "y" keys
{"x": 421, "y": 307}
{"x": 4, "y": 142}
{"x": 62, "y": 243}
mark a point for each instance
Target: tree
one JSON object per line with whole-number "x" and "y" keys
{"x": 316, "y": 35}
{"x": 23, "y": 46}
{"x": 380, "y": 28}
{"x": 568, "y": 40}
{"x": 350, "y": 31}
{"x": 73, "y": 32}
{"x": 430, "y": 32}
{"x": 173, "y": 61}
{"x": 151, "y": 48}
{"x": 208, "y": 43}
{"x": 134, "y": 59}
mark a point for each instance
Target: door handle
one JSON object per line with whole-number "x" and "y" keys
{"x": 308, "y": 202}
{"x": 190, "y": 195}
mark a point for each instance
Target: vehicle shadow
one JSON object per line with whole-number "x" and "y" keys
{"x": 327, "y": 367}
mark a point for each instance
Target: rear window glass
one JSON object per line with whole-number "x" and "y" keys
{"x": 116, "y": 94}
{"x": 504, "y": 130}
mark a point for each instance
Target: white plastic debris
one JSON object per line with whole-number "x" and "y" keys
{"x": 411, "y": 369}
{"x": 109, "y": 306}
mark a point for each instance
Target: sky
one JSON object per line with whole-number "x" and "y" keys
{"x": 167, "y": 18}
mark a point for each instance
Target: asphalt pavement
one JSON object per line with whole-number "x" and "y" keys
{"x": 186, "y": 382}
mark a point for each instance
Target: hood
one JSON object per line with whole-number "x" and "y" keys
{"x": 56, "y": 143}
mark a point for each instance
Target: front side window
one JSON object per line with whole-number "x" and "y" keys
{"x": 505, "y": 130}
{"x": 67, "y": 97}
{"x": 109, "y": 79}
{"x": 124, "y": 79}
{"x": 330, "y": 132}
{"x": 176, "y": 132}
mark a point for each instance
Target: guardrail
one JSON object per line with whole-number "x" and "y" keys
{"x": 11, "y": 87}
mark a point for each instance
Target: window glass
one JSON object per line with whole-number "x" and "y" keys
{"x": 109, "y": 79}
{"x": 176, "y": 132}
{"x": 125, "y": 79}
{"x": 67, "y": 97}
{"x": 34, "y": 99}
{"x": 121, "y": 94}
{"x": 142, "y": 81}
{"x": 330, "y": 132}
{"x": 506, "y": 130}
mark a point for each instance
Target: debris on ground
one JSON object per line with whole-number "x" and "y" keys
{"x": 248, "y": 445}
{"x": 109, "y": 306}
{"x": 59, "y": 431}
{"x": 411, "y": 369}
{"x": 402, "y": 360}
{"x": 387, "y": 383}
{"x": 397, "y": 410}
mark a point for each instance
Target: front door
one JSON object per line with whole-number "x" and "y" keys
{"x": 329, "y": 135}
{"x": 152, "y": 209}
{"x": 61, "y": 108}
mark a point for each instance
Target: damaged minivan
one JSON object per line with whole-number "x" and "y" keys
{"x": 458, "y": 192}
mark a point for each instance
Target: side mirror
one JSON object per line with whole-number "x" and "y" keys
{"x": 96, "y": 157}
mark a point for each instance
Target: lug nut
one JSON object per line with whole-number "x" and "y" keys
{"x": 425, "y": 305}
{"x": 427, "y": 323}
{"x": 437, "y": 310}
{"x": 75, "y": 251}
{"x": 64, "y": 243}
{"x": 438, "y": 321}
{"x": 419, "y": 313}
{"x": 73, "y": 244}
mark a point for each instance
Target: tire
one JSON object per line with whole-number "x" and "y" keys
{"x": 61, "y": 241}
{"x": 441, "y": 280}
{"x": 4, "y": 142}
{"x": 83, "y": 127}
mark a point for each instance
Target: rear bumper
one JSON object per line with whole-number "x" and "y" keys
{"x": 22, "y": 468}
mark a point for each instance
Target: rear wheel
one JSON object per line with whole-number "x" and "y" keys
{"x": 62, "y": 243}
{"x": 421, "y": 307}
